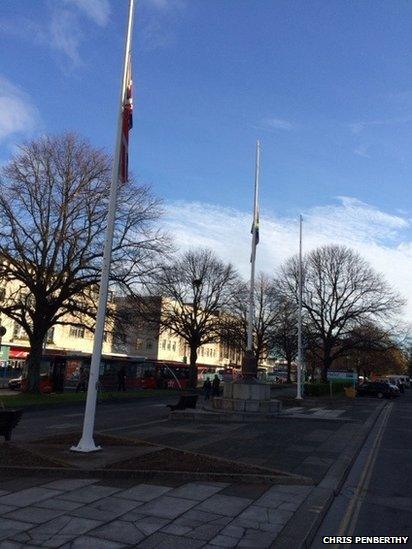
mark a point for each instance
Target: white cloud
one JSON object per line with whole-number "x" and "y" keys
{"x": 377, "y": 235}
{"x": 362, "y": 150}
{"x": 61, "y": 28}
{"x": 358, "y": 127}
{"x": 166, "y": 4}
{"x": 18, "y": 115}
{"x": 277, "y": 124}
{"x": 97, "y": 10}
{"x": 66, "y": 35}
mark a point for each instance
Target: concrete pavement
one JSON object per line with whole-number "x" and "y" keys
{"x": 82, "y": 513}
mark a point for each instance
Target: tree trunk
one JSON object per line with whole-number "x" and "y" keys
{"x": 192, "y": 382}
{"x": 288, "y": 368}
{"x": 33, "y": 370}
{"x": 327, "y": 361}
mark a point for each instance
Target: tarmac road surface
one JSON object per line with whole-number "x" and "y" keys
{"x": 376, "y": 499}
{"x": 118, "y": 417}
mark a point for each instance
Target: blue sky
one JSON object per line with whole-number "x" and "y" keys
{"x": 326, "y": 86}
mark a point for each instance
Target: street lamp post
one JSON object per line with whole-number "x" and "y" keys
{"x": 300, "y": 353}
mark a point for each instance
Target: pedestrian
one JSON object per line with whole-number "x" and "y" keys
{"x": 216, "y": 386}
{"x": 121, "y": 379}
{"x": 81, "y": 384}
{"x": 207, "y": 388}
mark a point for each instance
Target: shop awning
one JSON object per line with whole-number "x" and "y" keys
{"x": 18, "y": 354}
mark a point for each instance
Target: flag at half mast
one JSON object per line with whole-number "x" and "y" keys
{"x": 255, "y": 224}
{"x": 127, "y": 124}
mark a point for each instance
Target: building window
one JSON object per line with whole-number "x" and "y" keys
{"x": 2, "y": 294}
{"x": 174, "y": 346}
{"x": 77, "y": 332}
{"x": 50, "y": 335}
{"x": 149, "y": 344}
{"x": 201, "y": 351}
{"x": 164, "y": 344}
{"x": 121, "y": 338}
{"x": 105, "y": 335}
{"x": 139, "y": 344}
{"x": 168, "y": 344}
{"x": 18, "y": 331}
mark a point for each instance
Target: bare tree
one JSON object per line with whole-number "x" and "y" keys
{"x": 266, "y": 303}
{"x": 285, "y": 335}
{"x": 196, "y": 289}
{"x": 375, "y": 349}
{"x": 53, "y": 205}
{"x": 341, "y": 292}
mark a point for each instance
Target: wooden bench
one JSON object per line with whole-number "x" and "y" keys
{"x": 185, "y": 401}
{"x": 8, "y": 421}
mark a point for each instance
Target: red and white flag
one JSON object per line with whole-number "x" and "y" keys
{"x": 127, "y": 124}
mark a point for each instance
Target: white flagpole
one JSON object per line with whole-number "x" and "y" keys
{"x": 252, "y": 269}
{"x": 86, "y": 443}
{"x": 300, "y": 354}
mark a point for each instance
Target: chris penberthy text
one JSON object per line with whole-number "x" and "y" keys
{"x": 364, "y": 539}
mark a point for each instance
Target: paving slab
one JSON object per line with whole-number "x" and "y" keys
{"x": 275, "y": 496}
{"x": 58, "y": 531}
{"x": 9, "y": 527}
{"x": 105, "y": 509}
{"x": 233, "y": 531}
{"x": 176, "y": 529}
{"x": 57, "y": 503}
{"x": 224, "y": 541}
{"x": 9, "y": 544}
{"x": 37, "y": 515}
{"x": 22, "y": 498}
{"x": 70, "y": 483}
{"x": 258, "y": 514}
{"x": 224, "y": 505}
{"x": 150, "y": 525}
{"x": 195, "y": 490}
{"x": 89, "y": 542}
{"x": 7, "y": 508}
{"x": 205, "y": 532}
{"x": 121, "y": 532}
{"x": 144, "y": 492}
{"x": 167, "y": 507}
{"x": 200, "y": 517}
{"x": 88, "y": 494}
{"x": 168, "y": 541}
{"x": 257, "y": 538}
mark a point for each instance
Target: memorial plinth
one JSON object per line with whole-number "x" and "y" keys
{"x": 246, "y": 396}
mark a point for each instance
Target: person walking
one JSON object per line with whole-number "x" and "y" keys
{"x": 216, "y": 386}
{"x": 207, "y": 388}
{"x": 121, "y": 379}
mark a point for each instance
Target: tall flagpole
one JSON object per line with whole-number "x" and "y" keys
{"x": 300, "y": 353}
{"x": 253, "y": 258}
{"x": 86, "y": 443}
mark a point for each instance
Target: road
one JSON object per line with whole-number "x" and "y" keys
{"x": 376, "y": 499}
{"x": 116, "y": 417}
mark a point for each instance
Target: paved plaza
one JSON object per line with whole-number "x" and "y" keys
{"x": 88, "y": 513}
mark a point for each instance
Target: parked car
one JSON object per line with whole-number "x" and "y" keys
{"x": 379, "y": 389}
{"x": 15, "y": 383}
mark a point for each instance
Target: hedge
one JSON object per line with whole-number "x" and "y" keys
{"x": 321, "y": 389}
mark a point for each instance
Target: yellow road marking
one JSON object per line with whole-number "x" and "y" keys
{"x": 350, "y": 518}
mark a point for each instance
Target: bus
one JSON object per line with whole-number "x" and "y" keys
{"x": 61, "y": 371}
